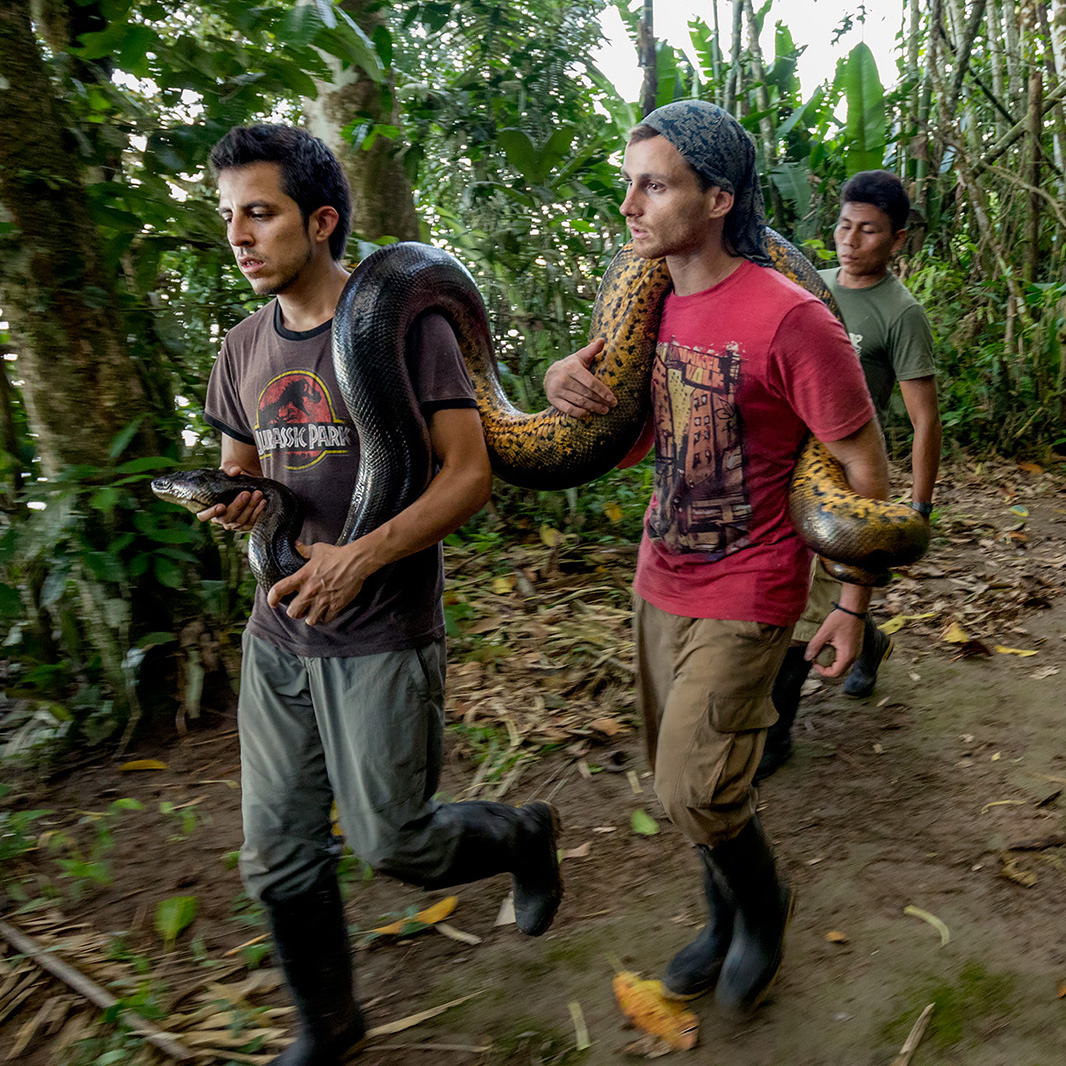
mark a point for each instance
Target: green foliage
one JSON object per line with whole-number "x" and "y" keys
{"x": 85, "y": 863}
{"x": 511, "y": 136}
{"x": 16, "y": 837}
{"x": 173, "y": 916}
{"x": 865, "y": 126}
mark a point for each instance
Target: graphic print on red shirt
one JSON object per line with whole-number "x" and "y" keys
{"x": 701, "y": 504}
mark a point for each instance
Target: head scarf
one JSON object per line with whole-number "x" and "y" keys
{"x": 717, "y": 147}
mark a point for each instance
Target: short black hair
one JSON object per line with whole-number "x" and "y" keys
{"x": 883, "y": 190}
{"x": 310, "y": 172}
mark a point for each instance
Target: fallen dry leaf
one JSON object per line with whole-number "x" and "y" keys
{"x": 582, "y": 851}
{"x": 144, "y": 764}
{"x": 1013, "y": 651}
{"x": 608, "y": 726}
{"x": 955, "y": 634}
{"x": 1013, "y": 872}
{"x": 835, "y": 936}
{"x": 430, "y": 916}
{"x": 642, "y": 1002}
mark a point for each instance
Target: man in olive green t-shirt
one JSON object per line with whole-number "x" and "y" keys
{"x": 892, "y": 337}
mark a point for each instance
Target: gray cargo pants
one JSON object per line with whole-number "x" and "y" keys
{"x": 366, "y": 731}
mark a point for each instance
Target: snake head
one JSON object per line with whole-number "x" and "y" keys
{"x": 196, "y": 489}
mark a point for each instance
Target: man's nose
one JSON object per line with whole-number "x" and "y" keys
{"x": 238, "y": 233}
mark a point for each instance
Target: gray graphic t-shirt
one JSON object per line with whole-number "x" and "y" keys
{"x": 277, "y": 390}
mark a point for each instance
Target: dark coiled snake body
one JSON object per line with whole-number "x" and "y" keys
{"x": 859, "y": 538}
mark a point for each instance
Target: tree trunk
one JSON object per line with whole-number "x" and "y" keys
{"x": 732, "y": 88}
{"x": 766, "y": 124}
{"x": 716, "y": 58}
{"x": 81, "y": 388}
{"x": 649, "y": 90}
{"x": 993, "y": 22}
{"x": 1036, "y": 129}
{"x": 382, "y": 199}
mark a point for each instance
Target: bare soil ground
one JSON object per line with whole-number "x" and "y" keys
{"x": 942, "y": 792}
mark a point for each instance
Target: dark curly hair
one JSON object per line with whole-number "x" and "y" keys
{"x": 883, "y": 190}
{"x": 310, "y": 172}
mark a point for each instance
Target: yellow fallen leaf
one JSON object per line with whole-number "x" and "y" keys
{"x": 1020, "y": 511}
{"x": 893, "y": 625}
{"x": 1013, "y": 651}
{"x": 955, "y": 634}
{"x": 643, "y": 1003}
{"x": 834, "y": 936}
{"x": 613, "y": 511}
{"x": 144, "y": 764}
{"x": 932, "y": 919}
{"x": 430, "y": 916}
{"x": 1013, "y": 872}
{"x": 550, "y": 537}
{"x": 502, "y": 585}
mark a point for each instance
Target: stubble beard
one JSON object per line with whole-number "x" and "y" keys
{"x": 283, "y": 284}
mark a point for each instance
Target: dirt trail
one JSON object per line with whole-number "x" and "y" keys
{"x": 916, "y": 797}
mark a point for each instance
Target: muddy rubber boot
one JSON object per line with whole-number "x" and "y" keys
{"x": 311, "y": 940}
{"x": 788, "y": 687}
{"x": 876, "y": 648}
{"x": 695, "y": 968}
{"x": 763, "y": 909}
{"x": 521, "y": 841}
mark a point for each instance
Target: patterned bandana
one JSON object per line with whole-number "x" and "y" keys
{"x": 717, "y": 147}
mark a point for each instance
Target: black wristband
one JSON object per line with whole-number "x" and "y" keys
{"x": 854, "y": 614}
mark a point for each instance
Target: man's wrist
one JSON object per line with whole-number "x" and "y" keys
{"x": 923, "y": 507}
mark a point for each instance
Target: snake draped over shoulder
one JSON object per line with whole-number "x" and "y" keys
{"x": 544, "y": 450}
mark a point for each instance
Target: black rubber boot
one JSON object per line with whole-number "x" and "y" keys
{"x": 763, "y": 909}
{"x": 695, "y": 968}
{"x": 311, "y": 940}
{"x": 788, "y": 686}
{"x": 521, "y": 841}
{"x": 876, "y": 648}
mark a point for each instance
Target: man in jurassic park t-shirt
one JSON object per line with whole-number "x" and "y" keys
{"x": 342, "y": 691}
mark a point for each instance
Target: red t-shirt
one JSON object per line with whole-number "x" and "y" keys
{"x": 742, "y": 371}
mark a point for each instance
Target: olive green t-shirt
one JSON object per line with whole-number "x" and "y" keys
{"x": 890, "y": 332}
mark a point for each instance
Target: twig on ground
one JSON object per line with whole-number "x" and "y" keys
{"x": 91, "y": 991}
{"x": 914, "y": 1038}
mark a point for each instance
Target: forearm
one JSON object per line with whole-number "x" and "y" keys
{"x": 925, "y": 461}
{"x": 452, "y": 497}
{"x": 864, "y": 461}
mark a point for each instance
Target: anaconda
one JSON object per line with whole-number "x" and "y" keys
{"x": 547, "y": 449}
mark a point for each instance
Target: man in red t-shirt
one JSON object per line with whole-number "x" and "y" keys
{"x": 746, "y": 364}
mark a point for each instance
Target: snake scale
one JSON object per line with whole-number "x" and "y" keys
{"x": 859, "y": 539}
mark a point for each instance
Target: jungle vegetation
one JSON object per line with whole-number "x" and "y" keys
{"x": 481, "y": 126}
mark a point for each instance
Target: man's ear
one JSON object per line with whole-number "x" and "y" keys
{"x": 721, "y": 201}
{"x": 323, "y": 222}
{"x": 898, "y": 240}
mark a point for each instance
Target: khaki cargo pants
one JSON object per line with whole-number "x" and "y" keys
{"x": 703, "y": 686}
